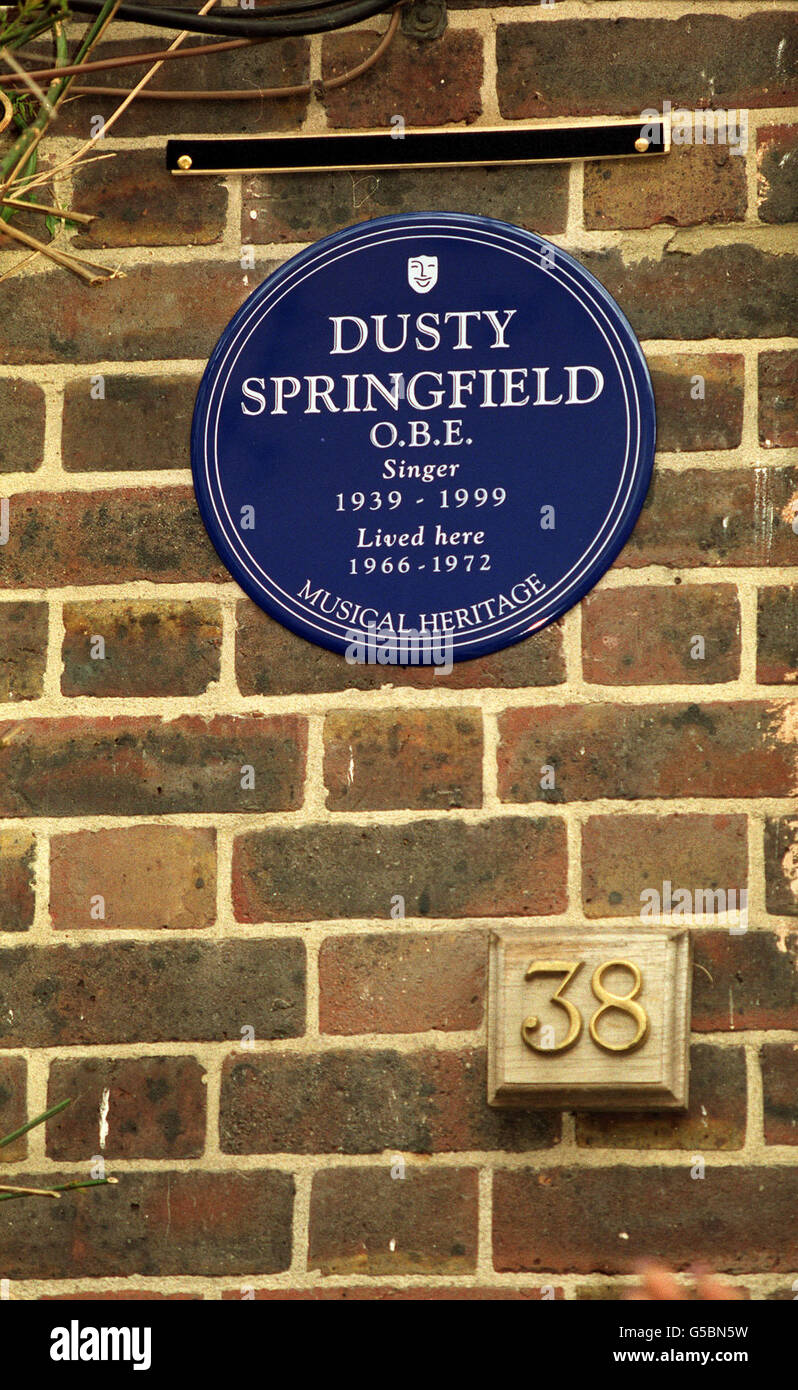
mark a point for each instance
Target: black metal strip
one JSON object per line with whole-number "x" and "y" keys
{"x": 416, "y": 149}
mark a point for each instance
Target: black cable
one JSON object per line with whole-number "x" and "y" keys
{"x": 299, "y": 17}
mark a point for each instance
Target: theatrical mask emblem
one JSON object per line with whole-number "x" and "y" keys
{"x": 422, "y": 273}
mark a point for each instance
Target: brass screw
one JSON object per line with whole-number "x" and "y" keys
{"x": 185, "y": 161}
{"x": 641, "y": 145}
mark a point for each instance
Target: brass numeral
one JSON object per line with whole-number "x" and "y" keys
{"x": 624, "y": 1003}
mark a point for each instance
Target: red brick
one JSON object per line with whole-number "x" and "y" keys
{"x": 631, "y": 751}
{"x": 13, "y": 1106}
{"x": 685, "y": 422}
{"x": 153, "y": 1107}
{"x": 780, "y": 1086}
{"x": 781, "y": 866}
{"x": 777, "y": 164}
{"x": 647, "y": 636}
{"x": 138, "y": 766}
{"x": 129, "y": 992}
{"x": 21, "y": 425}
{"x": 429, "y": 83}
{"x": 270, "y": 660}
{"x": 421, "y": 759}
{"x": 23, "y": 650}
{"x": 714, "y": 1121}
{"x": 155, "y": 1224}
{"x": 148, "y": 876}
{"x": 402, "y": 982}
{"x": 163, "y": 647}
{"x": 777, "y": 635}
{"x": 140, "y": 422}
{"x": 137, "y": 202}
{"x": 778, "y": 400}
{"x": 572, "y": 1219}
{"x": 363, "y": 1221}
{"x": 386, "y": 1293}
{"x": 367, "y": 1102}
{"x": 505, "y": 867}
{"x": 695, "y": 60}
{"x": 748, "y": 981}
{"x": 107, "y": 537}
{"x": 623, "y": 856}
{"x": 695, "y": 184}
{"x": 17, "y": 896}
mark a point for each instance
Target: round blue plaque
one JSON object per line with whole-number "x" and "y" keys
{"x": 423, "y": 438}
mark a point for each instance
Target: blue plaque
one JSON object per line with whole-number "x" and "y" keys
{"x": 423, "y": 438}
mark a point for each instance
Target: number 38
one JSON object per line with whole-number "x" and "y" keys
{"x": 624, "y": 1003}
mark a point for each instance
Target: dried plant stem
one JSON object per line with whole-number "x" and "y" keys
{"x": 31, "y": 1191}
{"x": 64, "y": 213}
{"x": 60, "y": 257}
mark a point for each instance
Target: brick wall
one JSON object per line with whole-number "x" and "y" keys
{"x": 262, "y": 1042}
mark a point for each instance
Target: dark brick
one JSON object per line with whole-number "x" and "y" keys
{"x": 715, "y": 1119}
{"x": 141, "y": 422}
{"x": 570, "y": 1219}
{"x": 21, "y": 425}
{"x": 695, "y": 184}
{"x": 138, "y": 203}
{"x": 778, "y": 400}
{"x": 402, "y": 982}
{"x": 430, "y": 83}
{"x": 780, "y": 1085}
{"x": 777, "y": 635}
{"x": 383, "y": 760}
{"x": 17, "y": 898}
{"x": 166, "y": 647}
{"x": 154, "y": 1108}
{"x": 172, "y": 991}
{"x": 363, "y": 1221}
{"x": 623, "y": 856}
{"x": 13, "y": 1106}
{"x": 686, "y": 423}
{"x": 503, "y": 867}
{"x": 627, "y": 751}
{"x": 140, "y": 766}
{"x": 156, "y": 1224}
{"x": 777, "y": 182}
{"x": 270, "y": 660}
{"x": 647, "y": 636}
{"x": 696, "y": 60}
{"x": 367, "y": 1102}
{"x": 23, "y": 650}
{"x": 781, "y": 866}
{"x": 741, "y": 982}
{"x": 149, "y": 876}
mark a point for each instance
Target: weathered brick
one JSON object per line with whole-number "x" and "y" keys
{"x": 147, "y": 1107}
{"x": 138, "y": 766}
{"x": 777, "y": 165}
{"x": 781, "y": 866}
{"x": 138, "y": 203}
{"x": 648, "y": 636}
{"x": 13, "y": 1106}
{"x": 172, "y": 991}
{"x": 571, "y": 1219}
{"x": 21, "y": 425}
{"x": 154, "y": 311}
{"x": 164, "y": 647}
{"x": 148, "y": 876}
{"x": 368, "y": 1102}
{"x": 305, "y": 207}
{"x": 363, "y": 1221}
{"x": 628, "y": 751}
{"x": 715, "y": 1119}
{"x": 17, "y": 898}
{"x": 507, "y": 866}
{"x": 780, "y": 1086}
{"x": 777, "y": 635}
{"x": 430, "y": 83}
{"x": 388, "y": 759}
{"x": 623, "y": 856}
{"x": 778, "y": 400}
{"x": 695, "y": 184}
{"x": 748, "y": 981}
{"x": 107, "y": 537}
{"x": 155, "y": 1224}
{"x": 402, "y": 982}
{"x": 270, "y": 660}
{"x": 712, "y": 419}
{"x": 735, "y": 516}
{"x": 23, "y": 650}
{"x": 140, "y": 422}
{"x": 696, "y": 60}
